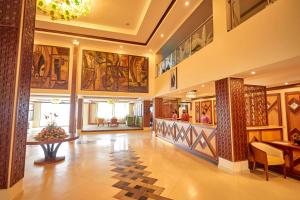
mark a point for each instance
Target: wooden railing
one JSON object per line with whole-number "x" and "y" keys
{"x": 197, "y": 138}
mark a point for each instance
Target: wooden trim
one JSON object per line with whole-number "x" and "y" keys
{"x": 283, "y": 87}
{"x": 288, "y": 110}
{"x": 113, "y": 39}
{"x": 279, "y": 107}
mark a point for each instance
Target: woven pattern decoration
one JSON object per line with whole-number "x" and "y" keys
{"x": 9, "y": 36}
{"x": 292, "y": 100}
{"x": 224, "y": 144}
{"x": 19, "y": 145}
{"x": 238, "y": 118}
{"x": 197, "y": 139}
{"x": 197, "y": 111}
{"x": 134, "y": 180}
{"x": 256, "y": 105}
{"x": 147, "y": 113}
{"x": 274, "y": 109}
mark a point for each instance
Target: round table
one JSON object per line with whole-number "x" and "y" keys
{"x": 50, "y": 148}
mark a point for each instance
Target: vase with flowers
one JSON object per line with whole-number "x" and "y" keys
{"x": 51, "y": 131}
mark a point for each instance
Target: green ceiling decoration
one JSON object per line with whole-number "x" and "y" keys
{"x": 64, "y": 9}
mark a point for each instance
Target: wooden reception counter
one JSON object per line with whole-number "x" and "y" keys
{"x": 199, "y": 139}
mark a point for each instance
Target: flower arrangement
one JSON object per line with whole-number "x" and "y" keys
{"x": 296, "y": 138}
{"x": 52, "y": 131}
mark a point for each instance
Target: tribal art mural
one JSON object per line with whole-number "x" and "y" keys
{"x": 133, "y": 180}
{"x": 103, "y": 71}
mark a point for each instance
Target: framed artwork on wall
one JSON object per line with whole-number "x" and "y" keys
{"x": 50, "y": 67}
{"x": 183, "y": 51}
{"x": 173, "y": 79}
{"x": 104, "y": 71}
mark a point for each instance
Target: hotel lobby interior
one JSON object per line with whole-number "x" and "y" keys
{"x": 149, "y": 99}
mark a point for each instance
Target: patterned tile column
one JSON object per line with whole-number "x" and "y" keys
{"x": 17, "y": 22}
{"x": 231, "y": 123}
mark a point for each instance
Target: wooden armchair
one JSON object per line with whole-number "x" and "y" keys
{"x": 267, "y": 155}
{"x": 100, "y": 121}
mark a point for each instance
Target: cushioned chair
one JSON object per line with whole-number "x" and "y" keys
{"x": 113, "y": 122}
{"x": 267, "y": 155}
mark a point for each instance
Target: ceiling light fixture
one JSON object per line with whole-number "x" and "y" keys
{"x": 186, "y": 3}
{"x": 64, "y": 9}
{"x": 191, "y": 94}
{"x": 76, "y": 42}
{"x": 121, "y": 46}
{"x": 162, "y": 35}
{"x": 202, "y": 85}
{"x": 253, "y": 72}
{"x": 286, "y": 83}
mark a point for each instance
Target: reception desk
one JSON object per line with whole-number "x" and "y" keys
{"x": 199, "y": 139}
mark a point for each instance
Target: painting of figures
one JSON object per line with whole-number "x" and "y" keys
{"x": 50, "y": 67}
{"x": 103, "y": 71}
{"x": 138, "y": 74}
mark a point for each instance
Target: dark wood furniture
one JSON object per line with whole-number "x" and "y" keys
{"x": 289, "y": 150}
{"x": 50, "y": 149}
{"x": 113, "y": 122}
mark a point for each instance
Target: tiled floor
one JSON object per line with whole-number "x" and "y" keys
{"x": 87, "y": 173}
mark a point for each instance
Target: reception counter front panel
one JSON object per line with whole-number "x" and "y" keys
{"x": 197, "y": 138}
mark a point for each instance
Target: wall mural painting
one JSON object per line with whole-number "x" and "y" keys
{"x": 50, "y": 68}
{"x": 102, "y": 71}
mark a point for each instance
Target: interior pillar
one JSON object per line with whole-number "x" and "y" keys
{"x": 158, "y": 107}
{"x": 80, "y": 114}
{"x": 17, "y": 21}
{"x": 73, "y": 98}
{"x": 147, "y": 113}
{"x": 231, "y": 124}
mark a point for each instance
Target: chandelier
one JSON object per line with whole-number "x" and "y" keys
{"x": 64, "y": 9}
{"x": 191, "y": 94}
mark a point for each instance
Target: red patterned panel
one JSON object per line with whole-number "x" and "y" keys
{"x": 238, "y": 118}
{"x": 256, "y": 105}
{"x": 9, "y": 36}
{"x": 224, "y": 145}
{"x": 19, "y": 145}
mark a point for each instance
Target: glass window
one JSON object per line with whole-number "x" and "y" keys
{"x": 62, "y": 110}
{"x": 105, "y": 110}
{"x": 121, "y": 110}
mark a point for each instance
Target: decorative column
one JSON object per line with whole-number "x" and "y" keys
{"x": 73, "y": 97}
{"x": 231, "y": 124}
{"x": 80, "y": 114}
{"x": 147, "y": 113}
{"x": 17, "y": 21}
{"x": 158, "y": 107}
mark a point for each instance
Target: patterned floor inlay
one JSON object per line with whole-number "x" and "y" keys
{"x": 133, "y": 179}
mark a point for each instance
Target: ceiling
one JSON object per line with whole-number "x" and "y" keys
{"x": 125, "y": 22}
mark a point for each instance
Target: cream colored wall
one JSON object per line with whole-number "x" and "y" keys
{"x": 283, "y": 107}
{"x": 263, "y": 39}
{"x": 36, "y": 115}
{"x": 85, "y": 114}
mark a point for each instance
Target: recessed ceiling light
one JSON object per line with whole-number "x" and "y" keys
{"x": 202, "y": 85}
{"x": 150, "y": 50}
{"x": 253, "y": 72}
{"x": 76, "y": 42}
{"x": 121, "y": 46}
{"x": 286, "y": 83}
{"x": 162, "y": 35}
{"x": 186, "y": 3}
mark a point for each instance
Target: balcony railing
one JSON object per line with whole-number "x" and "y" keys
{"x": 198, "y": 39}
{"x": 241, "y": 10}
